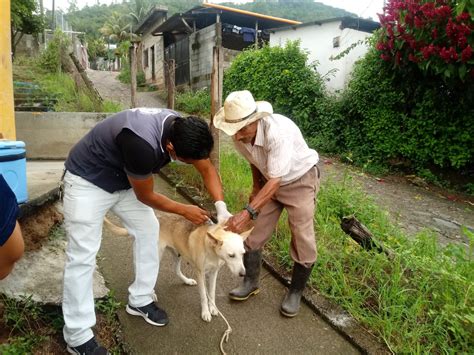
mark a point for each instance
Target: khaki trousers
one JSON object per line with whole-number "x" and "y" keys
{"x": 299, "y": 200}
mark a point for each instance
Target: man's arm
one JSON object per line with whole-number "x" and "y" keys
{"x": 143, "y": 189}
{"x": 240, "y": 221}
{"x": 213, "y": 185}
{"x": 210, "y": 177}
{"x": 257, "y": 182}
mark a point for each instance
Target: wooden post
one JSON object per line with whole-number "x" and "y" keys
{"x": 133, "y": 74}
{"x": 256, "y": 34}
{"x": 171, "y": 83}
{"x": 216, "y": 92}
{"x": 7, "y": 113}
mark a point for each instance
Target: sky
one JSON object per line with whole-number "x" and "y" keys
{"x": 363, "y": 8}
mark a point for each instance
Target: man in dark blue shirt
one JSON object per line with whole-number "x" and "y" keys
{"x": 112, "y": 168}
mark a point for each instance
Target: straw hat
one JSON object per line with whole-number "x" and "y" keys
{"x": 240, "y": 109}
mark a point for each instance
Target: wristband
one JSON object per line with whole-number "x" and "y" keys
{"x": 252, "y": 212}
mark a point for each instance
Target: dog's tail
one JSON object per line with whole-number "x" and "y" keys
{"x": 114, "y": 228}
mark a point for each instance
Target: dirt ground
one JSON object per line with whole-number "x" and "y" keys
{"x": 412, "y": 204}
{"x": 36, "y": 228}
{"x": 110, "y": 88}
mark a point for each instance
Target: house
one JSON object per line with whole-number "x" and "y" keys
{"x": 150, "y": 51}
{"x": 188, "y": 38}
{"x": 324, "y": 40}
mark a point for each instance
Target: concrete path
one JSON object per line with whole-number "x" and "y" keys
{"x": 39, "y": 273}
{"x": 258, "y": 327}
{"x": 110, "y": 88}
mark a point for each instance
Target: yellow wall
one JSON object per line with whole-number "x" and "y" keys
{"x": 7, "y": 114}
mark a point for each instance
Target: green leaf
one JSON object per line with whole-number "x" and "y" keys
{"x": 462, "y": 71}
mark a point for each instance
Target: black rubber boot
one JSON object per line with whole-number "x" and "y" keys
{"x": 291, "y": 304}
{"x": 249, "y": 287}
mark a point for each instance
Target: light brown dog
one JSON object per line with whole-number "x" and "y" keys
{"x": 207, "y": 248}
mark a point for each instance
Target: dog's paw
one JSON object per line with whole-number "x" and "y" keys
{"x": 190, "y": 282}
{"x": 213, "y": 310}
{"x": 206, "y": 316}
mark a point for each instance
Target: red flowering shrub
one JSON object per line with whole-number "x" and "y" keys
{"x": 437, "y": 36}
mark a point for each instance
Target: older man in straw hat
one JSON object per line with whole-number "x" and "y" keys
{"x": 285, "y": 175}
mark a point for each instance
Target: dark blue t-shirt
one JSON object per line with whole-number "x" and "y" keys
{"x": 8, "y": 211}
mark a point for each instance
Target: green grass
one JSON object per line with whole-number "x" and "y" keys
{"x": 195, "y": 102}
{"x": 421, "y": 301}
{"x": 61, "y": 86}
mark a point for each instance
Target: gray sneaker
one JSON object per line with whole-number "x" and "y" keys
{"x": 151, "y": 313}
{"x": 90, "y": 347}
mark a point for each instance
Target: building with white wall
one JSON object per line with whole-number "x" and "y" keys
{"x": 150, "y": 52}
{"x": 186, "y": 40}
{"x": 326, "y": 39}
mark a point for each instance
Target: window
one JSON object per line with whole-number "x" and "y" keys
{"x": 336, "y": 41}
{"x": 145, "y": 58}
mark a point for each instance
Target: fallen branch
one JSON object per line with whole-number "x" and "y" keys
{"x": 361, "y": 234}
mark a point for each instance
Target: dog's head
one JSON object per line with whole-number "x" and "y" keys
{"x": 229, "y": 247}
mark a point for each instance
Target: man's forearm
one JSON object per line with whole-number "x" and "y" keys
{"x": 265, "y": 193}
{"x": 211, "y": 179}
{"x": 163, "y": 203}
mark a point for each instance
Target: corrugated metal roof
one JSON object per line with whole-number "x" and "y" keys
{"x": 354, "y": 23}
{"x": 204, "y": 16}
{"x": 150, "y": 20}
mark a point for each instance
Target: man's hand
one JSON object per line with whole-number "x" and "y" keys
{"x": 239, "y": 223}
{"x": 222, "y": 213}
{"x": 195, "y": 214}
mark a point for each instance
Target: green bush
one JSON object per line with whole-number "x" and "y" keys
{"x": 125, "y": 74}
{"x": 50, "y": 59}
{"x": 281, "y": 76}
{"x": 419, "y": 119}
{"x": 194, "y": 102}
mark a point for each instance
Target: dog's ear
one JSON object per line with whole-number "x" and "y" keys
{"x": 216, "y": 242}
{"x": 245, "y": 234}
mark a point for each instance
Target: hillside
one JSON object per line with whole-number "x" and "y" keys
{"x": 91, "y": 18}
{"x": 302, "y": 10}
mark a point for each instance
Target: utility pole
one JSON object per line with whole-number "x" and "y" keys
{"x": 216, "y": 91}
{"x": 42, "y": 16}
{"x": 53, "y": 23}
{"x": 7, "y": 114}
{"x": 133, "y": 74}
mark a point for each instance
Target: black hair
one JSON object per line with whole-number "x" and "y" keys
{"x": 191, "y": 138}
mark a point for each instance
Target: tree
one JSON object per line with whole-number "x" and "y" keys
{"x": 116, "y": 29}
{"x": 24, "y": 20}
{"x": 139, "y": 10}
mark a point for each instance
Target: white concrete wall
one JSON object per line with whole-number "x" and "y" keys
{"x": 50, "y": 135}
{"x": 318, "y": 40}
{"x": 147, "y": 42}
{"x": 201, "y": 44}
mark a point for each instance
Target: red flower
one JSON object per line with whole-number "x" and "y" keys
{"x": 466, "y": 54}
{"x": 434, "y": 33}
{"x": 428, "y": 51}
{"x": 398, "y": 58}
{"x": 463, "y": 17}
{"x": 385, "y": 57}
{"x": 443, "y": 11}
{"x": 462, "y": 42}
{"x": 413, "y": 58}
